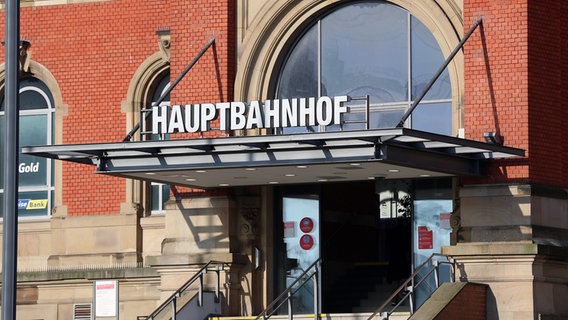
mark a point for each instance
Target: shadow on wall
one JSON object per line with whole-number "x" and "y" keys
{"x": 492, "y": 312}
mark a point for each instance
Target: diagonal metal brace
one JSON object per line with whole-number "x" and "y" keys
{"x": 438, "y": 73}
{"x": 170, "y": 88}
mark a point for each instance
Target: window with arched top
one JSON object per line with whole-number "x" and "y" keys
{"x": 370, "y": 48}
{"x": 146, "y": 86}
{"x": 159, "y": 192}
{"x": 35, "y": 174}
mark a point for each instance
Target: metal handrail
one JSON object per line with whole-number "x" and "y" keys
{"x": 172, "y": 300}
{"x": 366, "y": 122}
{"x": 408, "y": 287}
{"x": 286, "y": 295}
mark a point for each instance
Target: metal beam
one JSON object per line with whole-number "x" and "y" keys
{"x": 422, "y": 159}
{"x": 438, "y": 74}
{"x": 170, "y": 88}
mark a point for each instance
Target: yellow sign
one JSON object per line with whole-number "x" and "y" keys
{"x": 37, "y": 204}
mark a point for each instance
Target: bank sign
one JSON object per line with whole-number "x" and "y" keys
{"x": 269, "y": 114}
{"x": 32, "y": 175}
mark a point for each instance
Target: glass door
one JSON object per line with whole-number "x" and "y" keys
{"x": 301, "y": 239}
{"x": 431, "y": 229}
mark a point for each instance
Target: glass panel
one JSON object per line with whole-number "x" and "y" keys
{"x": 32, "y": 99}
{"x": 165, "y": 195}
{"x": 299, "y": 77}
{"x": 427, "y": 58}
{"x": 301, "y": 238}
{"x": 161, "y": 87}
{"x": 385, "y": 119}
{"x": 431, "y": 232}
{"x": 33, "y": 170}
{"x": 33, "y": 204}
{"x": 155, "y": 198}
{"x": 436, "y": 118}
{"x": 365, "y": 51}
{"x": 160, "y": 194}
{"x": 34, "y": 94}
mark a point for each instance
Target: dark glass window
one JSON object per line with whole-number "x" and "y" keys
{"x": 370, "y": 48}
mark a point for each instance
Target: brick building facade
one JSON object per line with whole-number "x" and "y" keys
{"x": 102, "y": 62}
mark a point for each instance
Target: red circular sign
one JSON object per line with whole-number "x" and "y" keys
{"x": 306, "y": 242}
{"x": 306, "y": 225}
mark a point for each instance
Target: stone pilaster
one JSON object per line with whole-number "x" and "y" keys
{"x": 513, "y": 238}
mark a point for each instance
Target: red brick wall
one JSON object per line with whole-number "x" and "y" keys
{"x": 211, "y": 80}
{"x": 547, "y": 105}
{"x": 93, "y": 51}
{"x": 513, "y": 85}
{"x": 469, "y": 304}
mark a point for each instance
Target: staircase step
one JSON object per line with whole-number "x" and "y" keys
{"x": 326, "y": 316}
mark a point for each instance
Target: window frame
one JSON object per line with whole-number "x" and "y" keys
{"x": 374, "y": 107}
{"x": 50, "y": 117}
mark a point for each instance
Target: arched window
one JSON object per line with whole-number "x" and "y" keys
{"x": 36, "y": 174}
{"x": 160, "y": 193}
{"x": 370, "y": 48}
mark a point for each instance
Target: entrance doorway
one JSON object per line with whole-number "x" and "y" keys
{"x": 366, "y": 233}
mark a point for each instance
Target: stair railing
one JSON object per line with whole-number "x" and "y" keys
{"x": 407, "y": 290}
{"x": 312, "y": 272}
{"x": 171, "y": 302}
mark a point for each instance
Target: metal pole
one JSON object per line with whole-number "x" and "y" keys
{"x": 436, "y": 273}
{"x": 316, "y": 293}
{"x": 438, "y": 73}
{"x": 174, "y": 308}
{"x": 10, "y": 210}
{"x": 200, "y": 293}
{"x": 290, "y": 315}
{"x": 367, "y": 112}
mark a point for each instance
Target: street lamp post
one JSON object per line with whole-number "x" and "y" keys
{"x": 10, "y": 154}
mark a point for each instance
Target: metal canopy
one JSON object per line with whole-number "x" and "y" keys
{"x": 285, "y": 159}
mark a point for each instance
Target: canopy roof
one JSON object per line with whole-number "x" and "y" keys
{"x": 285, "y": 159}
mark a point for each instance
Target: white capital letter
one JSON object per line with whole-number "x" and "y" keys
{"x": 272, "y": 114}
{"x": 176, "y": 120}
{"x": 254, "y": 116}
{"x": 192, "y": 118}
{"x": 238, "y": 120}
{"x": 324, "y": 111}
{"x": 159, "y": 119}
{"x": 340, "y": 108}
{"x": 208, "y": 114}
{"x": 223, "y": 119}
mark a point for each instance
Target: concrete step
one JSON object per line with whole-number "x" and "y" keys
{"x": 325, "y": 316}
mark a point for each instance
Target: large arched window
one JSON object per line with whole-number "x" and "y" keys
{"x": 370, "y": 48}
{"x": 36, "y": 175}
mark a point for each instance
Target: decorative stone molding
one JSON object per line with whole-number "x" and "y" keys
{"x": 164, "y": 44}
{"x": 137, "y": 98}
